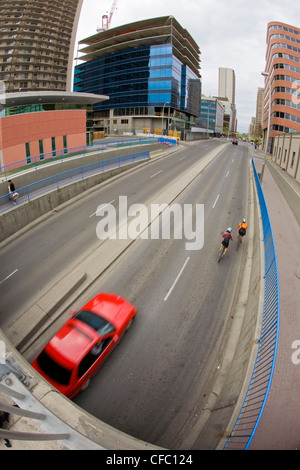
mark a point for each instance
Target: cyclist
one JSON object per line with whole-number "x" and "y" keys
{"x": 226, "y": 239}
{"x": 242, "y": 228}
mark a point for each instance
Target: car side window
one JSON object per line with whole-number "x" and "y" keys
{"x": 92, "y": 356}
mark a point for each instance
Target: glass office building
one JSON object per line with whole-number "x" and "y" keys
{"x": 211, "y": 115}
{"x": 157, "y": 78}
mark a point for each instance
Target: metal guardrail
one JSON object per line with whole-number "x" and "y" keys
{"x": 63, "y": 154}
{"x": 16, "y": 400}
{"x": 34, "y": 190}
{"x": 260, "y": 382}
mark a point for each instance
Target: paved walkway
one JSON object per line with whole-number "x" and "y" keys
{"x": 279, "y": 427}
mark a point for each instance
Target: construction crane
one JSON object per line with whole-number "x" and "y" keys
{"x": 106, "y": 19}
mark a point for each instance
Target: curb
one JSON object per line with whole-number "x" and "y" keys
{"x": 241, "y": 311}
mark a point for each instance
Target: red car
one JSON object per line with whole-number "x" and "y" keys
{"x": 80, "y": 347}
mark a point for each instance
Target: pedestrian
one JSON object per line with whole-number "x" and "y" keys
{"x": 12, "y": 193}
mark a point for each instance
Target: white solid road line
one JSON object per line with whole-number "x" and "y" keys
{"x": 178, "y": 276}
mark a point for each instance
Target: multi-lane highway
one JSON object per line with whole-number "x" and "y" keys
{"x": 155, "y": 384}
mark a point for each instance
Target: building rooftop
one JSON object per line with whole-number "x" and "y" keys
{"x": 144, "y": 33}
{"x": 49, "y": 97}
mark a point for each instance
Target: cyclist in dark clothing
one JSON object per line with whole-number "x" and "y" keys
{"x": 226, "y": 239}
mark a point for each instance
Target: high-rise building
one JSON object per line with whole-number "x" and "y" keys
{"x": 37, "y": 44}
{"x": 227, "y": 84}
{"x": 259, "y": 112}
{"x": 282, "y": 78}
{"x": 251, "y": 127}
{"x": 226, "y": 89}
{"x": 150, "y": 71}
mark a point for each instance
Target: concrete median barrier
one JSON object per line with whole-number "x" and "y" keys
{"x": 24, "y": 328}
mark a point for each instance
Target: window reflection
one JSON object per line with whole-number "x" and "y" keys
{"x": 140, "y": 78}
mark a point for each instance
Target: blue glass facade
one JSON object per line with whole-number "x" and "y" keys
{"x": 145, "y": 77}
{"x": 208, "y": 114}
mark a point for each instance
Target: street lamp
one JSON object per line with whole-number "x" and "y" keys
{"x": 162, "y": 117}
{"x": 265, "y": 74}
{"x": 207, "y": 126}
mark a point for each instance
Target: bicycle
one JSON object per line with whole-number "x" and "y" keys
{"x": 225, "y": 243}
{"x": 222, "y": 253}
{"x": 238, "y": 243}
{"x": 241, "y": 233}
{"x": 239, "y": 240}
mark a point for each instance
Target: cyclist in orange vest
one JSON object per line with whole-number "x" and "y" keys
{"x": 242, "y": 228}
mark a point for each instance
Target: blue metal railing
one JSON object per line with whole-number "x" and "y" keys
{"x": 62, "y": 154}
{"x": 260, "y": 382}
{"x": 34, "y": 190}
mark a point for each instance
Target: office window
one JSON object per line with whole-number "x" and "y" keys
{"x": 293, "y": 159}
{"x": 41, "y": 149}
{"x": 53, "y": 146}
{"x": 27, "y": 148}
{"x": 65, "y": 144}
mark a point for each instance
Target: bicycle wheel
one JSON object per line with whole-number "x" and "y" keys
{"x": 239, "y": 241}
{"x": 221, "y": 254}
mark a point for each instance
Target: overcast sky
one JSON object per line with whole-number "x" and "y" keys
{"x": 229, "y": 33}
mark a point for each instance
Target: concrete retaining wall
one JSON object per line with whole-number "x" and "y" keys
{"x": 286, "y": 153}
{"x": 22, "y": 215}
{"x": 47, "y": 170}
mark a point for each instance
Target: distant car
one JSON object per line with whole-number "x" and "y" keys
{"x": 83, "y": 343}
{"x": 234, "y": 141}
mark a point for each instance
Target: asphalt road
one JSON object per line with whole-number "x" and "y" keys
{"x": 156, "y": 382}
{"x": 37, "y": 257}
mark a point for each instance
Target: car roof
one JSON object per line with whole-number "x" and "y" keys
{"x": 71, "y": 342}
{"x": 75, "y": 338}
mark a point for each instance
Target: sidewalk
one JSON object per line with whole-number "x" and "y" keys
{"x": 279, "y": 427}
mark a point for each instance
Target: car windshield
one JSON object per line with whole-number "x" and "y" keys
{"x": 99, "y": 324}
{"x": 53, "y": 370}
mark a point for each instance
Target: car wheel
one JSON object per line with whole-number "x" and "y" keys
{"x": 85, "y": 385}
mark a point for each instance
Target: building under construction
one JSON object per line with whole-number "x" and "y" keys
{"x": 150, "y": 70}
